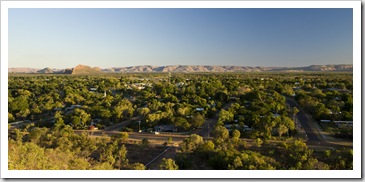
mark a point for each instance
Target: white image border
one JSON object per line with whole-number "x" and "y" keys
{"x": 355, "y": 173}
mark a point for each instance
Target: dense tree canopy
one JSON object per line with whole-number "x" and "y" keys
{"x": 236, "y": 106}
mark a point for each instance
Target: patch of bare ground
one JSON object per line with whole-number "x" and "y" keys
{"x": 171, "y": 153}
{"x": 199, "y": 164}
{"x": 143, "y": 154}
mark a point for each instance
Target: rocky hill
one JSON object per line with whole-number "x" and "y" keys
{"x": 82, "y": 69}
{"x": 46, "y": 70}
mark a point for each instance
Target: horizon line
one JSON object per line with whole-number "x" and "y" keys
{"x": 181, "y": 65}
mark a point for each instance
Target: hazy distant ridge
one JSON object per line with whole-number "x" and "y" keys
{"x": 82, "y": 69}
{"x": 23, "y": 70}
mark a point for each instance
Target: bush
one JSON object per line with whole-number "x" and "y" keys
{"x": 258, "y": 142}
{"x": 145, "y": 142}
{"x": 168, "y": 164}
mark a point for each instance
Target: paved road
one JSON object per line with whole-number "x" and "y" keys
{"x": 137, "y": 136}
{"x": 313, "y": 132}
{"x": 210, "y": 123}
{"x": 206, "y": 128}
{"x": 119, "y": 126}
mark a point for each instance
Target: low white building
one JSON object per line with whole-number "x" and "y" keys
{"x": 343, "y": 123}
{"x": 325, "y": 121}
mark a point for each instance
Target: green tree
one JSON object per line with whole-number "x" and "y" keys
{"x": 295, "y": 110}
{"x": 197, "y": 121}
{"x": 20, "y": 106}
{"x": 282, "y": 129}
{"x": 181, "y": 123}
{"x": 121, "y": 157}
{"x": 258, "y": 142}
{"x": 103, "y": 166}
{"x": 18, "y": 135}
{"x": 137, "y": 166}
{"x": 169, "y": 140}
{"x": 225, "y": 116}
{"x": 123, "y": 110}
{"x": 220, "y": 133}
{"x": 143, "y": 111}
{"x": 205, "y": 150}
{"x": 80, "y": 118}
{"x": 59, "y": 122}
{"x": 168, "y": 164}
{"x": 237, "y": 162}
{"x": 236, "y": 135}
{"x": 289, "y": 123}
{"x": 11, "y": 117}
{"x": 37, "y": 134}
{"x": 191, "y": 143}
{"x": 122, "y": 137}
{"x": 208, "y": 146}
{"x": 183, "y": 111}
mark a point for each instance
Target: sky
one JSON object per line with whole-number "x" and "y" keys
{"x": 121, "y": 37}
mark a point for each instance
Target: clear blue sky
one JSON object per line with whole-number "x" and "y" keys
{"x": 63, "y": 38}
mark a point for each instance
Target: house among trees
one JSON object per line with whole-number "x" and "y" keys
{"x": 325, "y": 120}
{"x": 234, "y": 98}
{"x": 73, "y": 107}
{"x": 92, "y": 127}
{"x": 246, "y": 128}
{"x": 180, "y": 84}
{"x": 165, "y": 128}
{"x": 141, "y": 86}
{"x": 229, "y": 127}
{"x": 343, "y": 123}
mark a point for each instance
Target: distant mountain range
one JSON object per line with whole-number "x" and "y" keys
{"x": 82, "y": 69}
